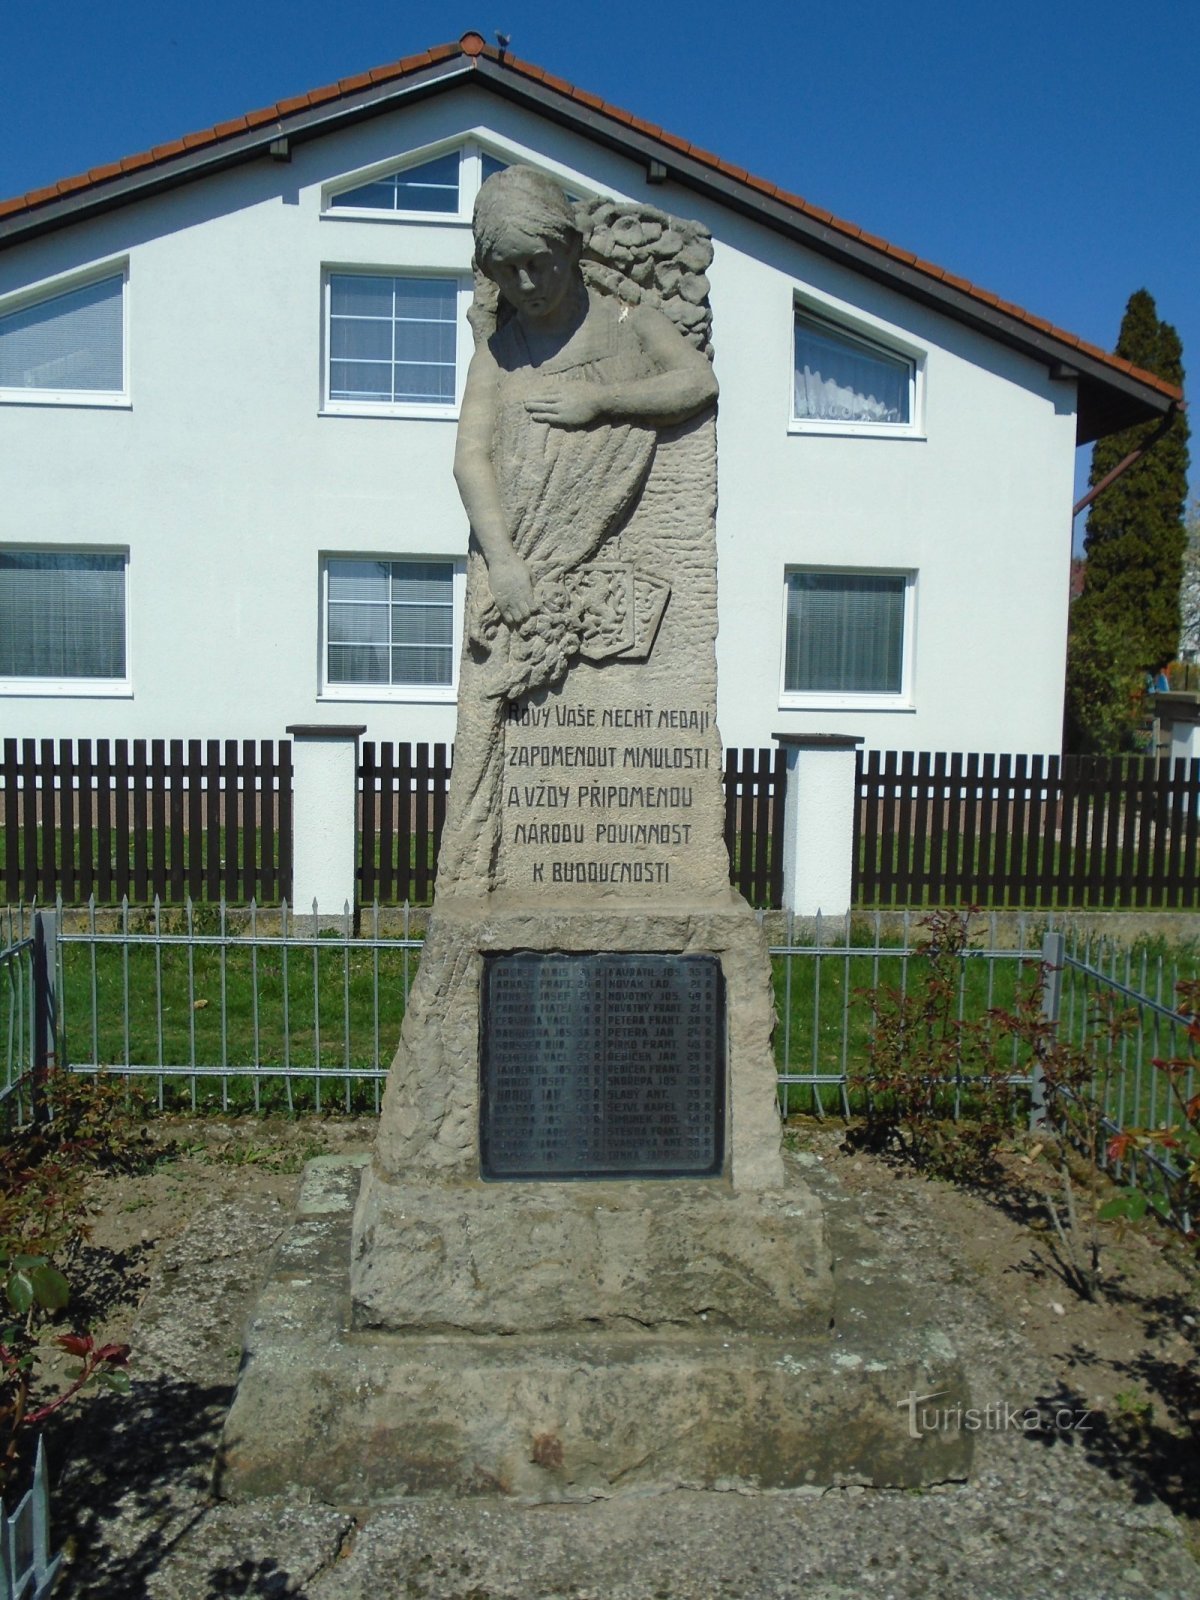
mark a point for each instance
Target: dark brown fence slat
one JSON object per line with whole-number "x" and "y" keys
{"x": 368, "y": 813}
{"x": 68, "y": 843}
{"x": 141, "y": 828}
{"x": 779, "y": 771}
{"x": 249, "y": 820}
{"x": 761, "y": 883}
{"x": 212, "y": 819}
{"x": 29, "y": 819}
{"x": 420, "y": 834}
{"x": 1176, "y": 893}
{"x": 176, "y": 804}
{"x": 1039, "y": 859}
{"x": 195, "y": 819}
{"x": 158, "y": 818}
{"x": 1107, "y": 778}
{"x": 440, "y": 773}
{"x": 265, "y": 890}
{"x": 407, "y": 802}
{"x": 862, "y": 873}
{"x": 1144, "y": 804}
{"x": 731, "y": 802}
{"x": 123, "y": 832}
{"x": 1018, "y": 805}
{"x": 920, "y": 829}
{"x": 229, "y": 781}
{"x": 12, "y": 826}
{"x": 85, "y": 885}
{"x": 887, "y": 886}
{"x": 48, "y": 875}
{"x": 937, "y": 829}
{"x": 284, "y": 771}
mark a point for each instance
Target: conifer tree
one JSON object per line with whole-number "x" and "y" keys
{"x": 1126, "y": 621}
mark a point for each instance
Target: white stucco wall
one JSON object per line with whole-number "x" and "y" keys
{"x": 226, "y": 483}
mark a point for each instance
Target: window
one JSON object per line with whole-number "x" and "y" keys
{"x": 846, "y": 383}
{"x": 66, "y": 346}
{"x": 390, "y": 624}
{"x": 431, "y": 186}
{"x": 392, "y": 340}
{"x": 848, "y": 638}
{"x": 62, "y": 617}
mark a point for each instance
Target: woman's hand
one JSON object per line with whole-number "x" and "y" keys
{"x": 572, "y": 407}
{"x": 512, "y": 589}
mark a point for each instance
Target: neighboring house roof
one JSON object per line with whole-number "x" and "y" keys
{"x": 1113, "y": 393}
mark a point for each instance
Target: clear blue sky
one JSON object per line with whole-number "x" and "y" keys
{"x": 1048, "y": 150}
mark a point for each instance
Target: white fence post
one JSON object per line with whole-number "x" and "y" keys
{"x": 818, "y": 824}
{"x": 324, "y": 817}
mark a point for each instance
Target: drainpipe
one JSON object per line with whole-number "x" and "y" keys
{"x": 1126, "y": 462}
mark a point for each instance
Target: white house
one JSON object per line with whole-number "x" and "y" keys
{"x": 229, "y": 374}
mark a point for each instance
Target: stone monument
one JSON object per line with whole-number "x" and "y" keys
{"x": 579, "y": 1261}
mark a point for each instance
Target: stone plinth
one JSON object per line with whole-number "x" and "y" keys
{"x": 358, "y": 1416}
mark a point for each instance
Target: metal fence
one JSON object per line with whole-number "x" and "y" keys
{"x": 243, "y": 1008}
{"x": 823, "y": 987}
{"x": 27, "y": 1569}
{"x": 28, "y": 1020}
{"x": 1128, "y": 1081}
{"x": 263, "y": 1009}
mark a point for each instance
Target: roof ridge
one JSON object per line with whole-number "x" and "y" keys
{"x": 472, "y": 46}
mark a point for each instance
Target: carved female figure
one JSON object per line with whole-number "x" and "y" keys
{"x": 555, "y": 440}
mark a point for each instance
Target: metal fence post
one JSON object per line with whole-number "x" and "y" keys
{"x": 1053, "y": 955}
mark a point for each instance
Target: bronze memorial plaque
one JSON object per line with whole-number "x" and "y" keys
{"x": 602, "y": 1066}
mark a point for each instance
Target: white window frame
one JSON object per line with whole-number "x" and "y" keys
{"x": 876, "y": 338}
{"x": 861, "y": 700}
{"x": 471, "y": 149}
{"x": 392, "y": 693}
{"x": 52, "y": 289}
{"x": 76, "y": 688}
{"x": 463, "y": 345}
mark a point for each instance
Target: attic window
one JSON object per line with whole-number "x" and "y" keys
{"x": 436, "y": 188}
{"x": 844, "y": 382}
{"x": 432, "y": 186}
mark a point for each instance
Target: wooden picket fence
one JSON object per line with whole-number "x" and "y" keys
{"x": 1033, "y": 831}
{"x": 402, "y": 790}
{"x": 135, "y": 819}
{"x": 212, "y": 819}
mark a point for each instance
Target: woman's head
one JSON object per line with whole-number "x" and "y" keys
{"x": 527, "y": 243}
{"x": 524, "y": 199}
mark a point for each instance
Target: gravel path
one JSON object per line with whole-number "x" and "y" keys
{"x": 1057, "y": 1511}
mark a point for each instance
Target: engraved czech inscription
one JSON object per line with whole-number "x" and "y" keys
{"x": 602, "y": 1066}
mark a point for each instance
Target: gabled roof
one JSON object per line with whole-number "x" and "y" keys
{"x": 1113, "y": 394}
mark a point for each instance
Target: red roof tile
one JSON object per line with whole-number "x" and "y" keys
{"x": 472, "y": 46}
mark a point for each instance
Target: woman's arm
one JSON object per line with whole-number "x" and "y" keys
{"x": 683, "y": 384}
{"x": 508, "y": 576}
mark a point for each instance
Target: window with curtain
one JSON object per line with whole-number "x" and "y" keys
{"x": 62, "y": 614}
{"x": 389, "y": 623}
{"x": 845, "y": 633}
{"x": 840, "y": 378}
{"x": 430, "y": 186}
{"x": 392, "y": 340}
{"x": 71, "y": 342}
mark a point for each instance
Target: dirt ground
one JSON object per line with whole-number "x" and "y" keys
{"x": 1128, "y": 1359}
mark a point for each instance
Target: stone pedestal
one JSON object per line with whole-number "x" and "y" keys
{"x": 354, "y": 1416}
